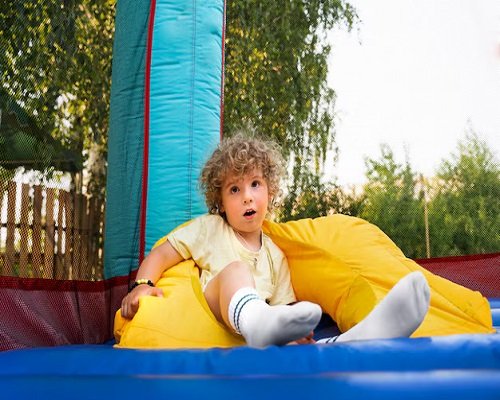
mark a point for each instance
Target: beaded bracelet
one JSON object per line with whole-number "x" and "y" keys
{"x": 140, "y": 282}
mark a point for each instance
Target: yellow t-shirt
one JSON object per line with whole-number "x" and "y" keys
{"x": 212, "y": 244}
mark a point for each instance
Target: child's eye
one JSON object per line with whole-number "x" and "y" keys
{"x": 234, "y": 189}
{"x": 255, "y": 184}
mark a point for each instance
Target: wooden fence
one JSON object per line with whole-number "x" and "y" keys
{"x": 50, "y": 233}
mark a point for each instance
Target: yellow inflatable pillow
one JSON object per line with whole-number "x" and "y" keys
{"x": 180, "y": 319}
{"x": 342, "y": 263}
{"x": 347, "y": 265}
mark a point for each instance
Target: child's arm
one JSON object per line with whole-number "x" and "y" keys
{"x": 160, "y": 259}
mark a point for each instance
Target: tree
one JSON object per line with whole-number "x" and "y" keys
{"x": 465, "y": 210}
{"x": 56, "y": 61}
{"x": 392, "y": 203}
{"x": 317, "y": 198}
{"x": 275, "y": 78}
{"x": 56, "y": 65}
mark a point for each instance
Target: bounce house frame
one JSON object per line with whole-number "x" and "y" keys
{"x": 166, "y": 115}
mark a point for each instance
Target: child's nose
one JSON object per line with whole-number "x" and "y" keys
{"x": 247, "y": 197}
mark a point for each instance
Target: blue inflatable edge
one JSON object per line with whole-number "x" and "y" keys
{"x": 462, "y": 366}
{"x": 185, "y": 114}
{"x": 455, "y": 366}
{"x": 125, "y": 144}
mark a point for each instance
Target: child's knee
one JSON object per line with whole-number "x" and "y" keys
{"x": 238, "y": 266}
{"x": 236, "y": 274}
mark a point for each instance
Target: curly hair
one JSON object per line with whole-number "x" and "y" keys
{"x": 240, "y": 155}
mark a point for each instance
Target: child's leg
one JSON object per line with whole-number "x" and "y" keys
{"x": 399, "y": 314}
{"x": 232, "y": 297}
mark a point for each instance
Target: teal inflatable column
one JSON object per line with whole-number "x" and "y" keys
{"x": 166, "y": 100}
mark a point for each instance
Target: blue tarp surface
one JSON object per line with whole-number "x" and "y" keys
{"x": 458, "y": 367}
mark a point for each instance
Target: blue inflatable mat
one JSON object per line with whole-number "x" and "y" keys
{"x": 459, "y": 367}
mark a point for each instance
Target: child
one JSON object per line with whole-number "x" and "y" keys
{"x": 244, "y": 275}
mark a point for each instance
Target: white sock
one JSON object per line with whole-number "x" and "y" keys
{"x": 262, "y": 325}
{"x": 327, "y": 340}
{"x": 399, "y": 313}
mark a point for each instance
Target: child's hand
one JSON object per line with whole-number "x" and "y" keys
{"x": 130, "y": 303}
{"x": 305, "y": 340}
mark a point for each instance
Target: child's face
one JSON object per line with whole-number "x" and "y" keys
{"x": 245, "y": 200}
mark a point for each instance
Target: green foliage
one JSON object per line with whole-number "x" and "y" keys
{"x": 319, "y": 199}
{"x": 5, "y": 176}
{"x": 275, "y": 80}
{"x": 55, "y": 63}
{"x": 309, "y": 197}
{"x": 463, "y": 202}
{"x": 391, "y": 203}
{"x": 465, "y": 210}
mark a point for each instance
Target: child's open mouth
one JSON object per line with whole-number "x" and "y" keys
{"x": 249, "y": 213}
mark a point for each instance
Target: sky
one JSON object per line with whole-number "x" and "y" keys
{"x": 416, "y": 75}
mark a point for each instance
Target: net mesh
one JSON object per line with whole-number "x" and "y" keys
{"x": 43, "y": 312}
{"x": 55, "y": 61}
{"x": 477, "y": 272}
{"x": 50, "y": 233}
